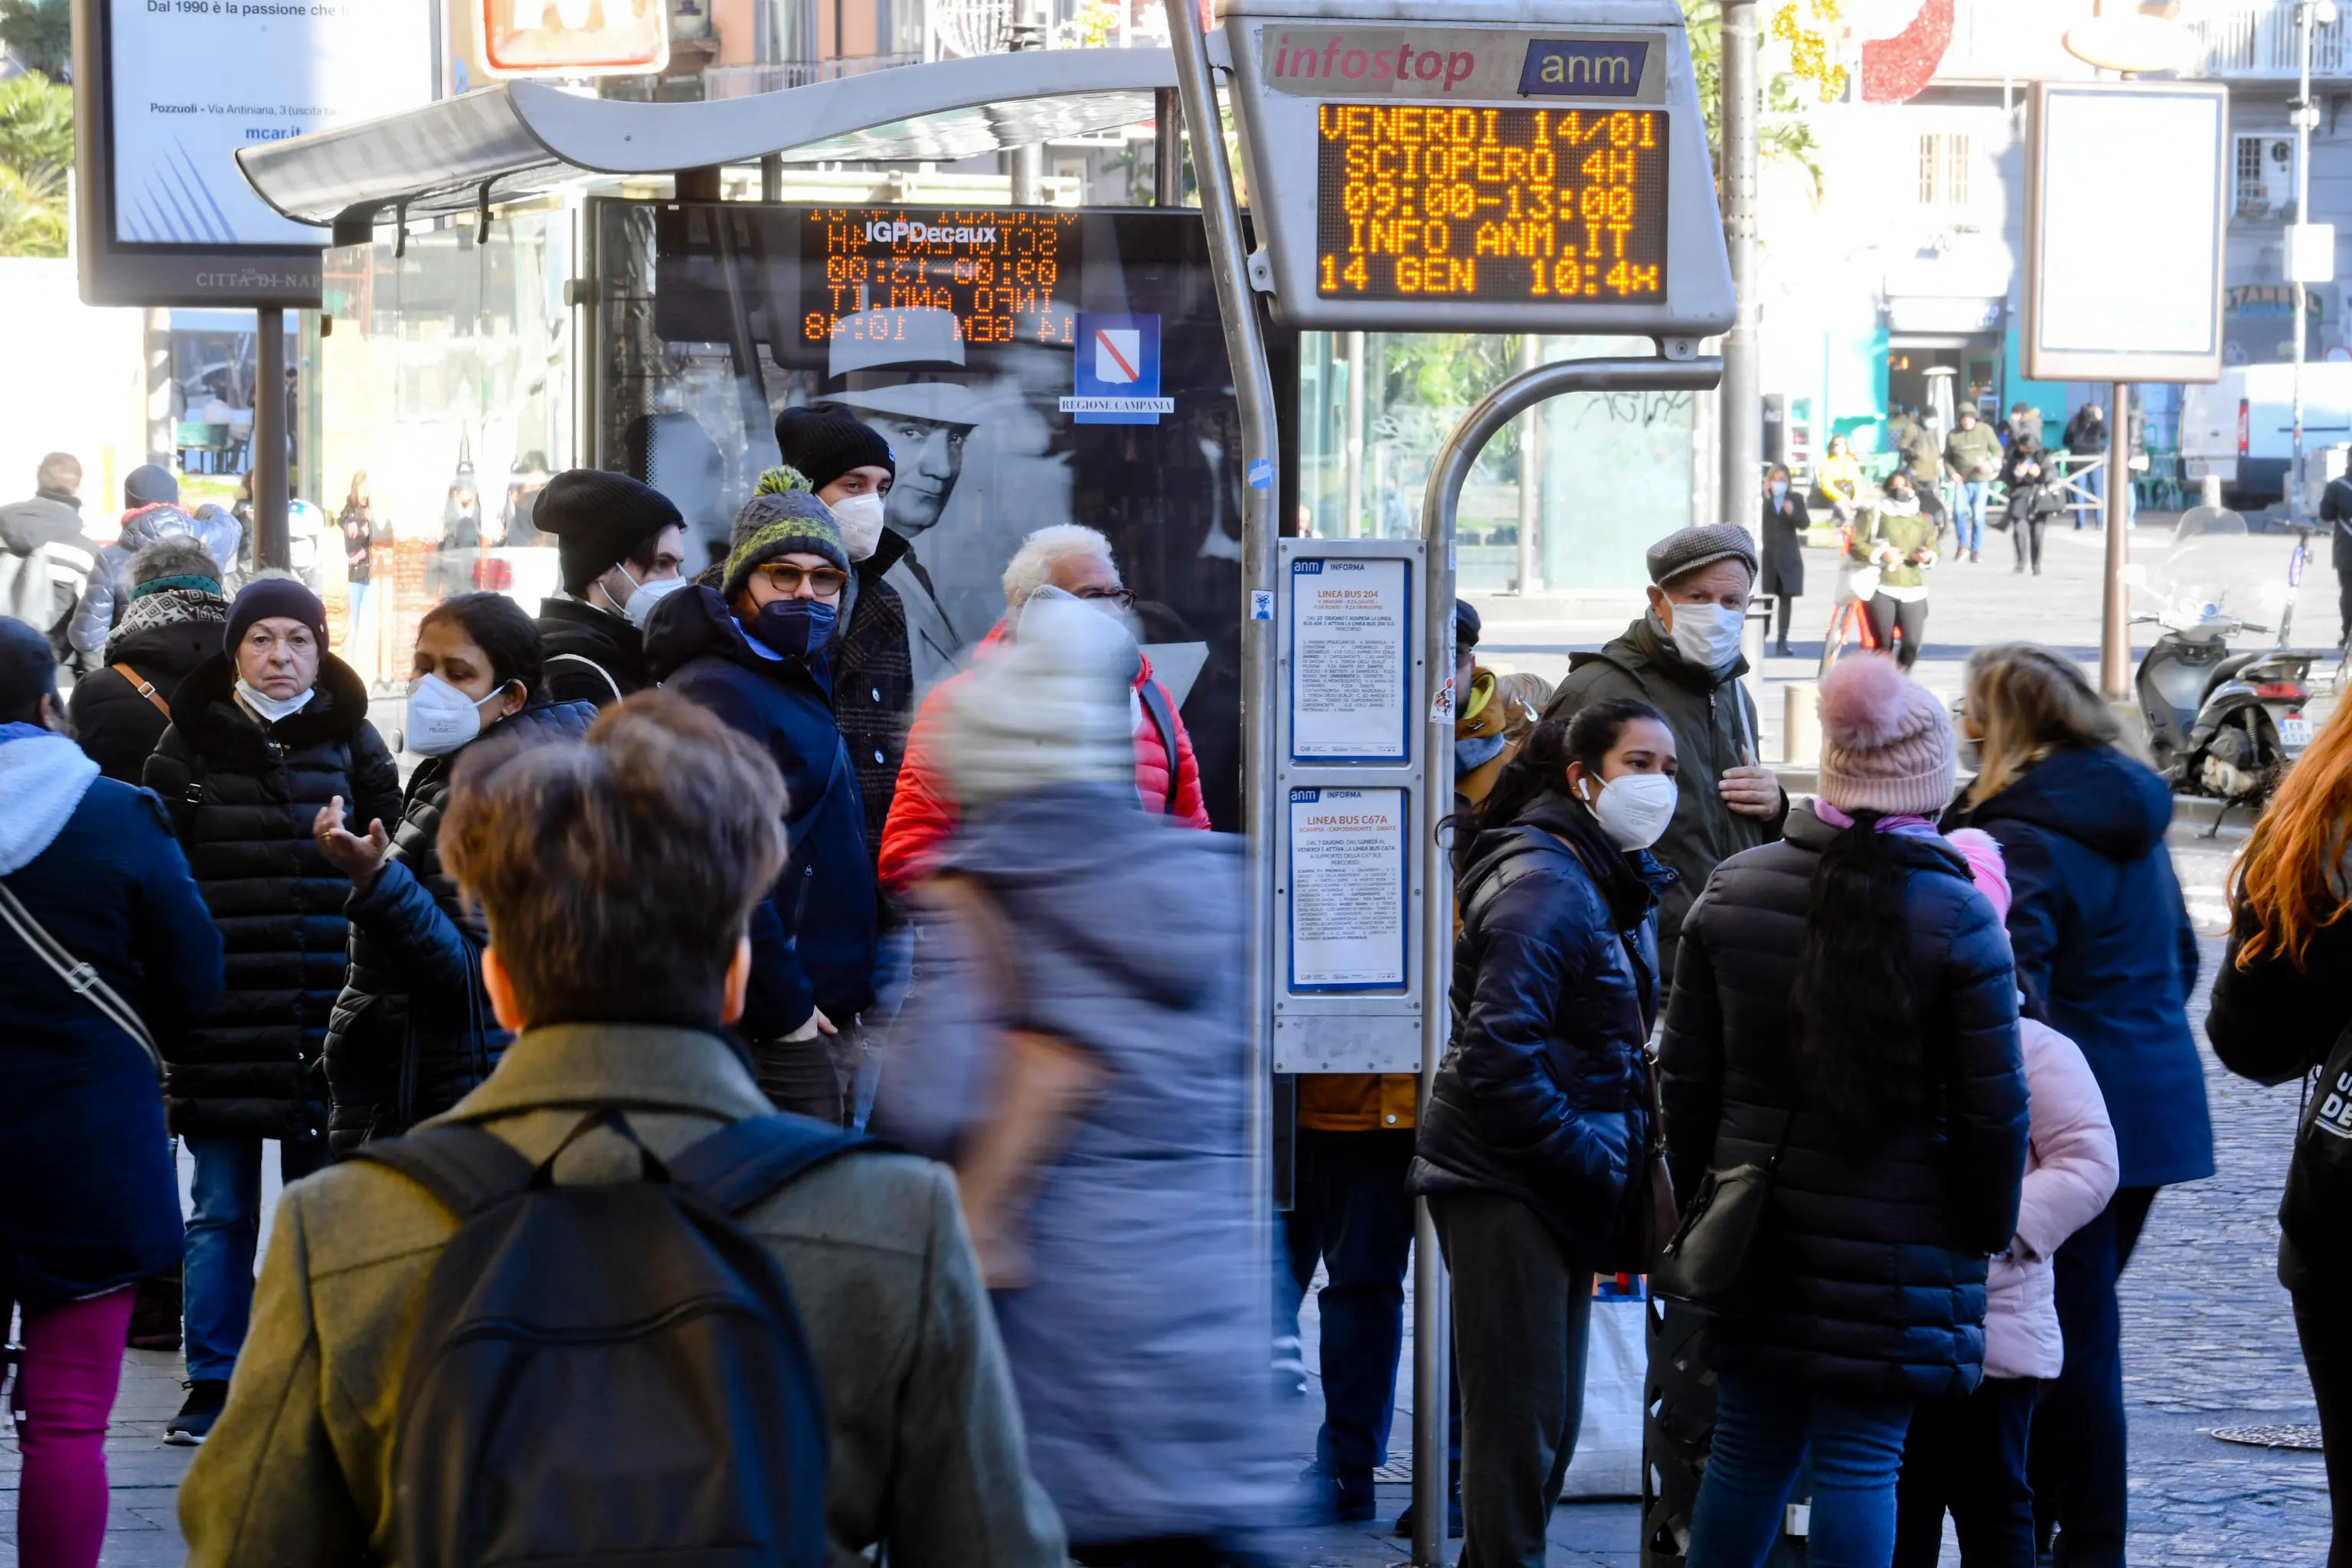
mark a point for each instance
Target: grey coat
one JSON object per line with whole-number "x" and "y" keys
{"x": 924, "y": 1437}
{"x": 1140, "y": 1350}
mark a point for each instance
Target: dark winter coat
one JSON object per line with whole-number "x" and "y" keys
{"x": 2272, "y": 1023}
{"x": 87, "y": 1200}
{"x": 824, "y": 903}
{"x": 243, "y": 797}
{"x": 1714, "y": 720}
{"x": 412, "y": 1033}
{"x": 109, "y": 592}
{"x": 2085, "y": 437}
{"x": 1541, "y": 1094}
{"x": 2104, "y": 950}
{"x": 574, "y": 637}
{"x": 113, "y": 722}
{"x": 1784, "y": 526}
{"x": 2030, "y": 495}
{"x": 1869, "y": 1275}
{"x": 874, "y": 685}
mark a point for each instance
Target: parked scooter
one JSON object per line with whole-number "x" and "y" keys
{"x": 2221, "y": 723}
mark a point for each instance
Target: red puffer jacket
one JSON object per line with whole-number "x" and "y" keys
{"x": 924, "y": 810}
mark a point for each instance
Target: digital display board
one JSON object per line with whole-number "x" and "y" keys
{"x": 1006, "y": 277}
{"x": 1552, "y": 205}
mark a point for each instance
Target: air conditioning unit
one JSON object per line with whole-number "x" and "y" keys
{"x": 2265, "y": 171}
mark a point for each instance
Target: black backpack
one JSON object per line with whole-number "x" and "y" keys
{"x": 610, "y": 1372}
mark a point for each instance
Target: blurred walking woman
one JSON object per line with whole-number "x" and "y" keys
{"x": 1540, "y": 1110}
{"x": 1882, "y": 1082}
{"x": 411, "y": 1032}
{"x": 2280, "y": 1009}
{"x": 1785, "y": 523}
{"x": 1899, "y": 541}
{"x": 87, "y": 1203}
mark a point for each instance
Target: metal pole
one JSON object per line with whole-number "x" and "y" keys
{"x": 1260, "y": 441}
{"x": 1352, "y": 487}
{"x": 1742, "y": 401}
{"x": 2304, "y": 116}
{"x": 1029, "y": 162}
{"x": 1167, "y": 148}
{"x": 271, "y": 544}
{"x": 1530, "y": 471}
{"x": 2114, "y": 605}
{"x": 1430, "y": 1334}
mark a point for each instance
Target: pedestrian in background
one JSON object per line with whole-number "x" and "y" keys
{"x": 616, "y": 878}
{"x": 619, "y": 545}
{"x": 2026, "y": 471}
{"x": 358, "y": 524}
{"x": 1536, "y": 1125}
{"x": 171, "y": 625}
{"x": 152, "y": 513}
{"x": 2106, "y": 955}
{"x": 2335, "y": 511}
{"x": 1974, "y": 457}
{"x": 2086, "y": 437}
{"x": 1898, "y": 541}
{"x": 1967, "y": 1455}
{"x": 1839, "y": 480}
{"x": 1923, "y": 459}
{"x": 1479, "y": 719}
{"x": 413, "y": 1031}
{"x": 1682, "y": 659}
{"x": 1881, "y": 1081}
{"x": 1785, "y": 523}
{"x": 1075, "y": 1045}
{"x": 43, "y": 548}
{"x": 757, "y": 652}
{"x": 88, "y": 1201}
{"x": 2282, "y": 1010}
{"x": 263, "y": 735}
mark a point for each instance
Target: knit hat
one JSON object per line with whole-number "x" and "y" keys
{"x": 826, "y": 446}
{"x": 1702, "y": 544}
{"x": 1466, "y": 625}
{"x": 28, "y": 668}
{"x": 147, "y": 484}
{"x": 1887, "y": 743}
{"x": 793, "y": 523}
{"x": 266, "y": 596}
{"x": 598, "y": 518}
{"x": 1052, "y": 708}
{"x": 1986, "y": 869}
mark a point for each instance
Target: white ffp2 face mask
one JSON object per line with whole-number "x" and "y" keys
{"x": 274, "y": 709}
{"x": 1632, "y": 808}
{"x": 645, "y": 596}
{"x": 859, "y": 518}
{"x": 1707, "y": 635}
{"x": 440, "y": 717}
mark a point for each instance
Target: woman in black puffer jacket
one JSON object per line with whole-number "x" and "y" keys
{"x": 262, "y": 735}
{"x": 413, "y": 1033}
{"x": 1540, "y": 1110}
{"x": 1886, "y": 1074}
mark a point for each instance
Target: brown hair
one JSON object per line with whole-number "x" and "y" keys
{"x": 2291, "y": 879}
{"x": 617, "y": 874}
{"x": 59, "y": 471}
{"x": 1524, "y": 698}
{"x": 2025, "y": 702}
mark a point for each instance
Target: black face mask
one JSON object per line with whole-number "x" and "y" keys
{"x": 795, "y": 628}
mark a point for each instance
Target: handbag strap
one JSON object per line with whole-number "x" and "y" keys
{"x": 144, "y": 687}
{"x": 81, "y": 977}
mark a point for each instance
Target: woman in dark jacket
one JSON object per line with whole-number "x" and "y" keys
{"x": 2281, "y": 1006}
{"x": 758, "y": 653}
{"x": 413, "y": 1033}
{"x": 88, "y": 1202}
{"x": 172, "y": 624}
{"x": 1540, "y": 1110}
{"x": 263, "y": 735}
{"x": 2105, "y": 956}
{"x": 1883, "y": 1081}
{"x": 1785, "y": 523}
{"x": 2027, "y": 469}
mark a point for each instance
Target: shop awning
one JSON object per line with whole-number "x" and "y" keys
{"x": 519, "y": 138}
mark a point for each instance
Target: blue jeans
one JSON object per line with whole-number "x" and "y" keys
{"x": 2081, "y": 1436}
{"x": 223, "y": 1233}
{"x": 1352, "y": 1212}
{"x": 1763, "y": 1428}
{"x": 1973, "y": 514}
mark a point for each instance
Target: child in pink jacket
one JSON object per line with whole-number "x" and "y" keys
{"x": 1968, "y": 1454}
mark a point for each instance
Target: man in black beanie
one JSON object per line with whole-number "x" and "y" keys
{"x": 851, "y": 467}
{"x": 618, "y": 545}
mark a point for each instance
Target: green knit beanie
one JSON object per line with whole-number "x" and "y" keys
{"x": 789, "y": 522}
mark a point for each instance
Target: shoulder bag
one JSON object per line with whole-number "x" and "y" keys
{"x": 1707, "y": 1262}
{"x": 84, "y": 980}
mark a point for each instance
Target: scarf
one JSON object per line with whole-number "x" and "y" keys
{"x": 1904, "y": 822}
{"x": 171, "y": 607}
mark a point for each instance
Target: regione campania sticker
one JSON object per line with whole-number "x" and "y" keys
{"x": 1116, "y": 377}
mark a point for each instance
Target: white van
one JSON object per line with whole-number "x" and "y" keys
{"x": 2241, "y": 429}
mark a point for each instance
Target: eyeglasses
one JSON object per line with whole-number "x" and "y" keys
{"x": 1123, "y": 597}
{"x": 825, "y": 582}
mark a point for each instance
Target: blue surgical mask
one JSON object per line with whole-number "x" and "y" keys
{"x": 795, "y": 628}
{"x": 1779, "y": 489}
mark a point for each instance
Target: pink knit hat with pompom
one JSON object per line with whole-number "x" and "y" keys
{"x": 1887, "y": 743}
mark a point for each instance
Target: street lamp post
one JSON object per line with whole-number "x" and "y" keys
{"x": 2305, "y": 117}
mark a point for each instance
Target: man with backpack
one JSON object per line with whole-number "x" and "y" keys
{"x": 608, "y": 1307}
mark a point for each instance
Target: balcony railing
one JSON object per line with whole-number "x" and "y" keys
{"x": 2237, "y": 41}
{"x": 2260, "y": 42}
